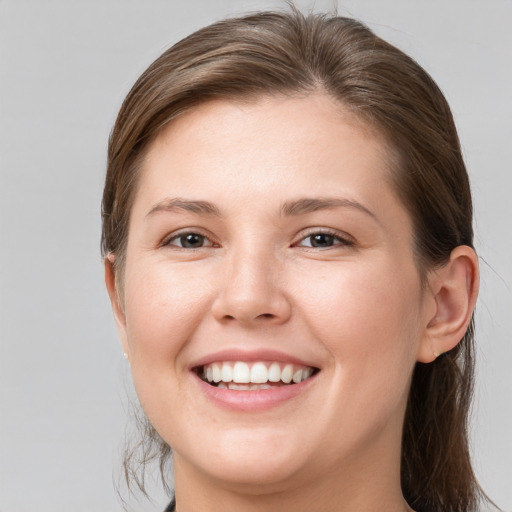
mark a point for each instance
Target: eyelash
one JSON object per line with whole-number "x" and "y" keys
{"x": 182, "y": 235}
{"x": 342, "y": 241}
{"x": 336, "y": 237}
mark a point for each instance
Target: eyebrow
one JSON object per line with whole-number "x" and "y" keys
{"x": 309, "y": 205}
{"x": 296, "y": 207}
{"x": 177, "y": 203}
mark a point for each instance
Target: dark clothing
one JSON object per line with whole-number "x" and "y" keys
{"x": 171, "y": 507}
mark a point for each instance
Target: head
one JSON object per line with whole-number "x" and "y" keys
{"x": 332, "y": 66}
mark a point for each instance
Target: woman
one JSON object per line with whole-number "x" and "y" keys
{"x": 287, "y": 231}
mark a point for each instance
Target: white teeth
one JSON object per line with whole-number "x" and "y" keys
{"x": 297, "y": 376}
{"x": 241, "y": 373}
{"x": 239, "y": 387}
{"x": 227, "y": 373}
{"x": 287, "y": 374}
{"x": 216, "y": 373}
{"x": 274, "y": 372}
{"x": 259, "y": 373}
{"x": 247, "y": 387}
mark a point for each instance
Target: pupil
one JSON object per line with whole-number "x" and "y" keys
{"x": 192, "y": 241}
{"x": 322, "y": 240}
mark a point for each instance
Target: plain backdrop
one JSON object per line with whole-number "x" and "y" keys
{"x": 65, "y": 67}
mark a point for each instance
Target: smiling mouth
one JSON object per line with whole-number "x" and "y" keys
{"x": 243, "y": 376}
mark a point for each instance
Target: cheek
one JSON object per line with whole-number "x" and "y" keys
{"x": 368, "y": 316}
{"x": 164, "y": 304}
{"x": 368, "y": 319}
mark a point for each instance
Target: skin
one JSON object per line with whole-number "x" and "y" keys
{"x": 355, "y": 309}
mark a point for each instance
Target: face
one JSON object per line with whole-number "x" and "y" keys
{"x": 273, "y": 310}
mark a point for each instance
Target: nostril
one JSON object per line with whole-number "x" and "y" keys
{"x": 233, "y": 305}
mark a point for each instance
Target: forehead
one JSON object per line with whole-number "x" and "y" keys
{"x": 302, "y": 112}
{"x": 266, "y": 140}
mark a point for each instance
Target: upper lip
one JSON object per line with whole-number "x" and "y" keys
{"x": 250, "y": 356}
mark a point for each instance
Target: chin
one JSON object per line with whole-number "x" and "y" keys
{"x": 252, "y": 458}
{"x": 258, "y": 476}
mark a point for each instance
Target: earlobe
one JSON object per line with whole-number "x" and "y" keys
{"x": 115, "y": 300}
{"x": 455, "y": 289}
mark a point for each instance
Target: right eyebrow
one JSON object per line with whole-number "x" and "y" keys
{"x": 177, "y": 203}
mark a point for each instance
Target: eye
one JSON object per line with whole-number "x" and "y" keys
{"x": 323, "y": 240}
{"x": 189, "y": 241}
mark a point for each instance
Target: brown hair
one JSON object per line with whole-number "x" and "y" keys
{"x": 287, "y": 53}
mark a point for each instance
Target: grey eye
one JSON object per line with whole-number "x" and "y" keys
{"x": 324, "y": 240}
{"x": 321, "y": 240}
{"x": 189, "y": 241}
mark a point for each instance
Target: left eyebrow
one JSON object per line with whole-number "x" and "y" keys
{"x": 309, "y": 205}
{"x": 177, "y": 204}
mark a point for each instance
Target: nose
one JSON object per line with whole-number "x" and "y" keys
{"x": 252, "y": 291}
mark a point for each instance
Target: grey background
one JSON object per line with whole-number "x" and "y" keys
{"x": 64, "y": 68}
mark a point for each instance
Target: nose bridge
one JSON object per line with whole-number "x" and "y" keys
{"x": 250, "y": 272}
{"x": 252, "y": 289}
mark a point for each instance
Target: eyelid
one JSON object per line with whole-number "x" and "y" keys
{"x": 166, "y": 241}
{"x": 345, "y": 238}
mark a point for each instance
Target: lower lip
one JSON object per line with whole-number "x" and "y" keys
{"x": 257, "y": 400}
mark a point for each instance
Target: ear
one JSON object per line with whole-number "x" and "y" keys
{"x": 454, "y": 290}
{"x": 115, "y": 300}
